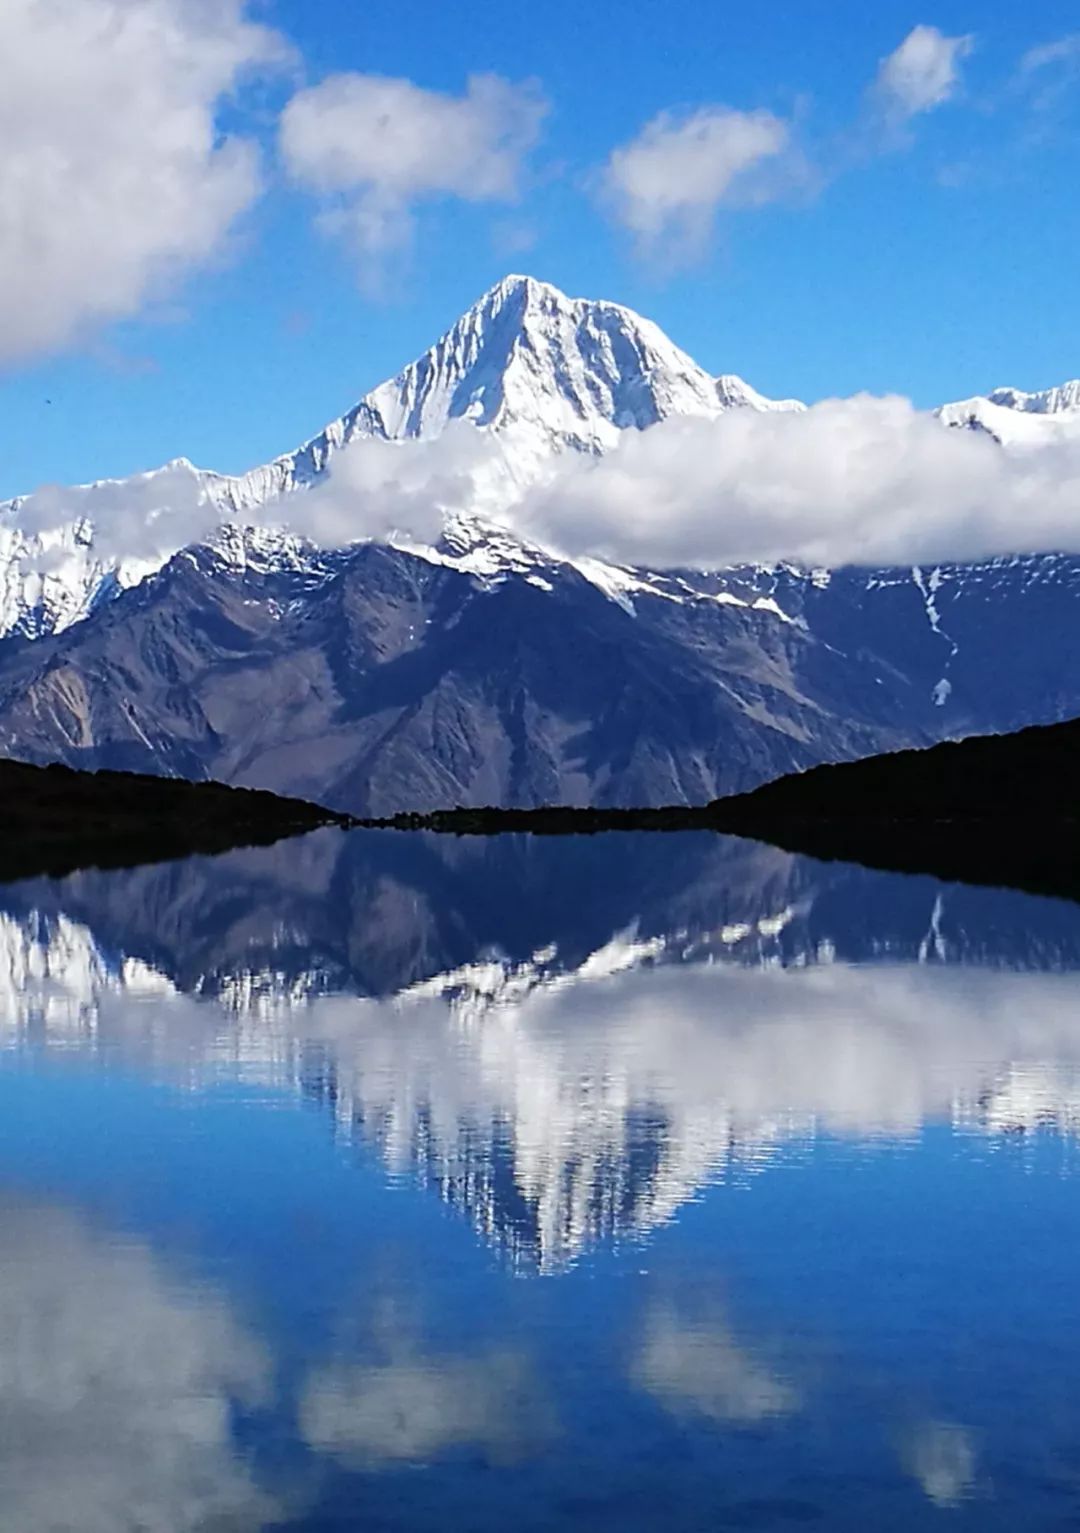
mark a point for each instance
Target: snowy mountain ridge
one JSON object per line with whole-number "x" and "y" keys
{"x": 544, "y": 374}
{"x": 1020, "y": 420}
{"x": 554, "y": 373}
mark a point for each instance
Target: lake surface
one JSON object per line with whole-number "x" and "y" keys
{"x": 393, "y": 1182}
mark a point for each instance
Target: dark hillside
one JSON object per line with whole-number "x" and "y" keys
{"x": 54, "y": 819}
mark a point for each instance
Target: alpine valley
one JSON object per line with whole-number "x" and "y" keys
{"x": 480, "y": 669}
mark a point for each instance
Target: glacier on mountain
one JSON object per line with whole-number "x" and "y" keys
{"x": 540, "y": 374}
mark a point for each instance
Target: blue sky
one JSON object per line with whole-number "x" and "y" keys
{"x": 932, "y": 256}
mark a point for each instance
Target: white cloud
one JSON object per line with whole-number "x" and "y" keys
{"x": 850, "y": 481}
{"x": 413, "y": 1408}
{"x": 114, "y": 179}
{"x": 372, "y": 148}
{"x": 694, "y": 1365}
{"x": 116, "y": 1388}
{"x": 146, "y": 517}
{"x": 405, "y": 1403}
{"x": 941, "y": 1456}
{"x": 923, "y": 73}
{"x": 668, "y": 184}
{"x": 866, "y": 480}
{"x": 377, "y": 489}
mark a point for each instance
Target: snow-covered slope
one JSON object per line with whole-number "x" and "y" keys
{"x": 544, "y": 373}
{"x": 1017, "y": 419}
{"x": 51, "y": 572}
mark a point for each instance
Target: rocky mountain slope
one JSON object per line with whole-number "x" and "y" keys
{"x": 384, "y": 681}
{"x": 544, "y": 373}
{"x": 480, "y": 669}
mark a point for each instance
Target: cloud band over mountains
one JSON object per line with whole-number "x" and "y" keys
{"x": 862, "y": 481}
{"x": 866, "y": 481}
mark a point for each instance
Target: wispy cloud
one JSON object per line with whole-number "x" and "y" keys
{"x": 921, "y": 74}
{"x": 668, "y": 184}
{"x": 1066, "y": 50}
{"x": 1050, "y": 73}
{"x": 372, "y": 149}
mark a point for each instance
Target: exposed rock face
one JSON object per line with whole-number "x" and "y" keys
{"x": 482, "y": 669}
{"x": 383, "y": 681}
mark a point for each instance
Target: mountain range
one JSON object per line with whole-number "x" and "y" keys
{"x": 479, "y": 668}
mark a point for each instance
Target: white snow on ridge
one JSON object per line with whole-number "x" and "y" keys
{"x": 1055, "y": 401}
{"x": 541, "y": 374}
{"x": 1019, "y": 420}
{"x": 733, "y": 393}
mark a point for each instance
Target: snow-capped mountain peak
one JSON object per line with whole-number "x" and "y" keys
{"x": 543, "y": 373}
{"x": 1019, "y": 419}
{"x": 525, "y": 354}
{"x": 734, "y": 393}
{"x": 546, "y": 372}
{"x": 1055, "y": 401}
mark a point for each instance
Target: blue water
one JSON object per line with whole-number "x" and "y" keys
{"x": 625, "y": 1182}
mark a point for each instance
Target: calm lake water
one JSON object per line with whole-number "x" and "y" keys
{"x": 389, "y": 1182}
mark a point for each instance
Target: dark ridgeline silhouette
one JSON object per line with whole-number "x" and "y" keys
{"x": 992, "y": 809}
{"x": 54, "y": 819}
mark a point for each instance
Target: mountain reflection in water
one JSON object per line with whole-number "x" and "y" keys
{"x": 790, "y": 1144}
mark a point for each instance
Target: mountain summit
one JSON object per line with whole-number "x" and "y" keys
{"x": 1017, "y": 419}
{"x": 545, "y": 373}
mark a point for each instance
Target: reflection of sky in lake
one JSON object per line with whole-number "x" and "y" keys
{"x": 381, "y": 1181}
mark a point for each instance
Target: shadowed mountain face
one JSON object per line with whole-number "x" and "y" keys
{"x": 998, "y": 809}
{"x": 374, "y": 914}
{"x": 486, "y": 669}
{"x": 377, "y": 680}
